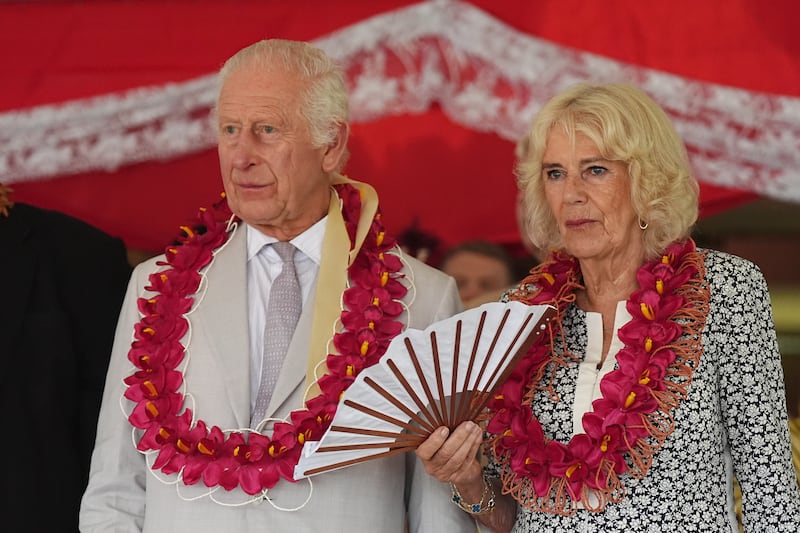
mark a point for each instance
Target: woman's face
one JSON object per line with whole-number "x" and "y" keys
{"x": 590, "y": 198}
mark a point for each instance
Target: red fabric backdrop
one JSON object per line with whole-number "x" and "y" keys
{"x": 457, "y": 183}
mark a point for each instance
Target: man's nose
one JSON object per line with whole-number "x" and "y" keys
{"x": 244, "y": 153}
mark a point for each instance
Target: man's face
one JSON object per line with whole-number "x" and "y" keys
{"x": 274, "y": 177}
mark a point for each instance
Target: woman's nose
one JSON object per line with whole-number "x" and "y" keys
{"x": 574, "y": 189}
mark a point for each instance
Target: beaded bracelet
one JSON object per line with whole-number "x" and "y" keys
{"x": 483, "y": 506}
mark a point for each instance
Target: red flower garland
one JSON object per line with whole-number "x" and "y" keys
{"x": 633, "y": 416}
{"x": 229, "y": 458}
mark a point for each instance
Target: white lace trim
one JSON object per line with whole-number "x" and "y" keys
{"x": 485, "y": 75}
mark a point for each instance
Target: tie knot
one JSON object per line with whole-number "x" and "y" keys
{"x": 285, "y": 251}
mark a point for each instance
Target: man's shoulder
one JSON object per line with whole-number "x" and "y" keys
{"x": 423, "y": 272}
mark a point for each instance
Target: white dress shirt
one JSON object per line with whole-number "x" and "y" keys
{"x": 263, "y": 266}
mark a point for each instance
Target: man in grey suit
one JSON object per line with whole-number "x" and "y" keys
{"x": 205, "y": 441}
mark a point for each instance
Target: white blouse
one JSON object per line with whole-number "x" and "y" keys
{"x": 587, "y": 388}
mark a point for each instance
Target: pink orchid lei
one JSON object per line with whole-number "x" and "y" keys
{"x": 631, "y": 420}
{"x": 254, "y": 462}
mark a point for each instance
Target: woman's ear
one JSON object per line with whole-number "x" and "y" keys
{"x": 336, "y": 150}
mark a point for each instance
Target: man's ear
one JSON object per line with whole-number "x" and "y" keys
{"x": 336, "y": 150}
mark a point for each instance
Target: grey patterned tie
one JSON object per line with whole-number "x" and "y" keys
{"x": 283, "y": 311}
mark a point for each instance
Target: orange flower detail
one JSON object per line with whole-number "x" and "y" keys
{"x": 275, "y": 453}
{"x": 152, "y": 409}
{"x": 630, "y": 399}
{"x": 572, "y": 469}
{"x": 152, "y": 391}
{"x": 660, "y": 286}
{"x": 202, "y": 448}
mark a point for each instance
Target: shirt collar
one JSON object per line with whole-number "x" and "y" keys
{"x": 309, "y": 242}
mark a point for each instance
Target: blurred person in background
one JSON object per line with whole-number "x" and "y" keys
{"x": 483, "y": 271}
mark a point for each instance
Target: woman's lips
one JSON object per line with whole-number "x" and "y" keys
{"x": 578, "y": 223}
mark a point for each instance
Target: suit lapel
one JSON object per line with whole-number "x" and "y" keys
{"x": 222, "y": 314}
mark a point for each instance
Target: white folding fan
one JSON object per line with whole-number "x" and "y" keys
{"x": 441, "y": 376}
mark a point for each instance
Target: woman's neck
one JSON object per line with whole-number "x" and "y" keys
{"x": 610, "y": 278}
{"x": 606, "y": 282}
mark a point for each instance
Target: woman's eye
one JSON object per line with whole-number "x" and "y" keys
{"x": 597, "y": 170}
{"x": 555, "y": 174}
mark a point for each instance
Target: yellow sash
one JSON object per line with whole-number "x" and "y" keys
{"x": 332, "y": 280}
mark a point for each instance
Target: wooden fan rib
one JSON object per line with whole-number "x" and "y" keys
{"x": 437, "y": 366}
{"x": 492, "y": 346}
{"x": 491, "y": 381}
{"x": 423, "y": 408}
{"x": 454, "y": 372}
{"x": 386, "y": 418}
{"x": 397, "y": 403}
{"x": 424, "y": 382}
{"x": 373, "y": 432}
{"x": 464, "y": 400}
{"x": 392, "y": 445}
{"x": 353, "y": 461}
{"x": 533, "y": 337}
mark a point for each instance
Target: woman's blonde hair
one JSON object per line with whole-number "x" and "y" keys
{"x": 324, "y": 102}
{"x": 628, "y": 126}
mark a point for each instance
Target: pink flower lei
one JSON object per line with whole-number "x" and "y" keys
{"x": 254, "y": 462}
{"x": 631, "y": 420}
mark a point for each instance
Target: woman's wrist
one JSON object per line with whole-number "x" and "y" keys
{"x": 477, "y": 504}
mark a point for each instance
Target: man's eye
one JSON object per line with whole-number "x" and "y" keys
{"x": 229, "y": 130}
{"x": 267, "y": 129}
